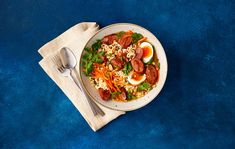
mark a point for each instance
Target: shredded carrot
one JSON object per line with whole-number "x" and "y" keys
{"x": 99, "y": 72}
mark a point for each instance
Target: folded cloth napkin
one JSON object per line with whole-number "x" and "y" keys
{"x": 75, "y": 38}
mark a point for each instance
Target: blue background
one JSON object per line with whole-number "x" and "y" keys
{"x": 196, "y": 108}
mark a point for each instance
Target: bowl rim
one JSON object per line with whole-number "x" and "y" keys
{"x": 80, "y": 76}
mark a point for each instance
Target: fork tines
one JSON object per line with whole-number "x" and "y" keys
{"x": 57, "y": 61}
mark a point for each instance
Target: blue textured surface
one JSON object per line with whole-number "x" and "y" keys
{"x": 196, "y": 108}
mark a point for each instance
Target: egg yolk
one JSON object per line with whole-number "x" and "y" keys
{"x": 136, "y": 77}
{"x": 147, "y": 52}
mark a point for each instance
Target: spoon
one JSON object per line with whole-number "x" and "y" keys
{"x": 69, "y": 62}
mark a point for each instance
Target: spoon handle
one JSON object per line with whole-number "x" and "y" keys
{"x": 94, "y": 107}
{"x": 91, "y": 106}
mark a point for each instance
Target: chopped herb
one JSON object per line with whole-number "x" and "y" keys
{"x": 144, "y": 86}
{"x": 115, "y": 94}
{"x": 89, "y": 67}
{"x": 130, "y": 96}
{"x": 87, "y": 49}
{"x": 136, "y": 37}
{"x": 87, "y": 56}
{"x": 127, "y": 68}
{"x": 101, "y": 53}
{"x": 91, "y": 56}
{"x": 158, "y": 65}
{"x": 120, "y": 34}
{"x": 96, "y": 45}
{"x": 97, "y": 57}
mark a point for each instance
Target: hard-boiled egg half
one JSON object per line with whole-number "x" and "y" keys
{"x": 147, "y": 51}
{"x": 135, "y": 78}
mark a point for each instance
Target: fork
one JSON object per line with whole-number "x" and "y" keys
{"x": 66, "y": 72}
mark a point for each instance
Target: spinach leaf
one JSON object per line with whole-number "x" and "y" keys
{"x": 136, "y": 37}
{"x": 96, "y": 45}
{"x": 127, "y": 68}
{"x": 144, "y": 86}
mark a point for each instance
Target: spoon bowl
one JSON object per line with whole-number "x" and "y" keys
{"x": 68, "y": 58}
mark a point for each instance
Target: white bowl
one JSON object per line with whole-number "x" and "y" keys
{"x": 140, "y": 102}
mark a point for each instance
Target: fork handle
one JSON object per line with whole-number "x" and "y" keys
{"x": 94, "y": 107}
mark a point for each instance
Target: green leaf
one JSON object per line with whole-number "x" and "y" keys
{"x": 136, "y": 37}
{"x": 120, "y": 34}
{"x": 96, "y": 45}
{"x": 101, "y": 53}
{"x": 87, "y": 62}
{"x": 115, "y": 94}
{"x": 130, "y": 96}
{"x": 96, "y": 58}
{"x": 127, "y": 68}
{"x": 144, "y": 86}
{"x": 91, "y": 56}
{"x": 87, "y": 49}
{"x": 89, "y": 68}
{"x": 158, "y": 65}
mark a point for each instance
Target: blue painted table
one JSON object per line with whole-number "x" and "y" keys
{"x": 195, "y": 109}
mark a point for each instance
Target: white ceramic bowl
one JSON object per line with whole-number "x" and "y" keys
{"x": 140, "y": 102}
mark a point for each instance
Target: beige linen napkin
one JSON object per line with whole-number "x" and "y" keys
{"x": 75, "y": 38}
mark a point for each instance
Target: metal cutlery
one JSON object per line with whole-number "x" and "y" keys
{"x": 65, "y": 63}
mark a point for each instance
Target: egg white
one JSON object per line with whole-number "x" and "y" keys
{"x": 146, "y": 44}
{"x": 135, "y": 82}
